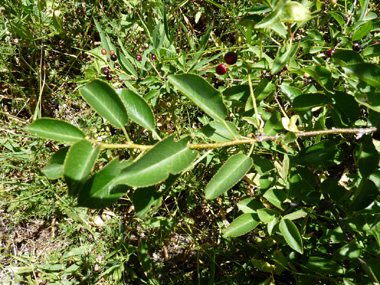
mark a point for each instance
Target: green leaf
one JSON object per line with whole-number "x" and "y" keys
{"x": 290, "y": 91}
{"x": 368, "y": 157}
{"x": 336, "y": 192}
{"x": 306, "y": 102}
{"x": 238, "y": 93}
{"x": 371, "y": 51}
{"x": 368, "y": 72}
{"x": 106, "y": 102}
{"x": 284, "y": 55}
{"x": 346, "y": 107}
{"x": 296, "y": 215}
{"x": 54, "y": 169}
{"x": 201, "y": 93}
{"x": 250, "y": 205}
{"x": 228, "y": 175}
{"x": 138, "y": 110}
{"x": 347, "y": 57}
{"x": 218, "y": 132}
{"x": 324, "y": 266}
{"x": 262, "y": 164}
{"x": 362, "y": 31}
{"x": 241, "y": 225}
{"x": 351, "y": 250}
{"x": 266, "y": 215}
{"x": 143, "y": 199}
{"x": 271, "y": 19}
{"x": 338, "y": 18}
{"x": 103, "y": 38}
{"x": 370, "y": 100}
{"x": 274, "y": 124}
{"x": 262, "y": 91}
{"x": 366, "y": 193}
{"x": 99, "y": 191}
{"x": 275, "y": 197}
{"x": 78, "y": 164}
{"x": 291, "y": 235}
{"x": 166, "y": 157}
{"x": 321, "y": 75}
{"x": 322, "y": 153}
{"x": 54, "y": 129}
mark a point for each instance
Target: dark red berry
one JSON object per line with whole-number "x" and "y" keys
{"x": 138, "y": 57}
{"x": 356, "y": 47}
{"x": 113, "y": 57}
{"x": 109, "y": 76}
{"x": 230, "y": 57}
{"x": 112, "y": 52}
{"x": 153, "y": 57}
{"x": 104, "y": 51}
{"x": 376, "y": 42}
{"x": 330, "y": 52}
{"x": 221, "y": 69}
{"x": 108, "y": 60}
{"x": 285, "y": 68}
{"x": 106, "y": 70}
{"x": 117, "y": 66}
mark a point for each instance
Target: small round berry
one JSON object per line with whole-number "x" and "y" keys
{"x": 117, "y": 66}
{"x": 230, "y": 57}
{"x": 376, "y": 43}
{"x": 356, "y": 47}
{"x": 153, "y": 56}
{"x": 141, "y": 50}
{"x": 239, "y": 39}
{"x": 333, "y": 2}
{"x": 146, "y": 45}
{"x": 109, "y": 76}
{"x": 104, "y": 51}
{"x": 108, "y": 60}
{"x": 221, "y": 69}
{"x": 138, "y": 57}
{"x": 112, "y": 52}
{"x": 106, "y": 71}
{"x": 330, "y": 52}
{"x": 285, "y": 68}
{"x": 113, "y": 57}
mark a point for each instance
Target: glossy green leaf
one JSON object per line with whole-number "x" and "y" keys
{"x": 296, "y": 215}
{"x": 201, "y": 93}
{"x": 290, "y": 91}
{"x": 99, "y": 191}
{"x": 322, "y": 153}
{"x": 346, "y": 107}
{"x": 306, "y": 102}
{"x": 241, "y": 225}
{"x": 218, "y": 132}
{"x": 262, "y": 164}
{"x": 368, "y": 72}
{"x": 266, "y": 215}
{"x": 362, "y": 31}
{"x": 54, "y": 169}
{"x": 250, "y": 205}
{"x": 144, "y": 199}
{"x": 338, "y": 18}
{"x": 284, "y": 55}
{"x": 238, "y": 93}
{"x": 368, "y": 157}
{"x": 138, "y": 110}
{"x": 274, "y": 124}
{"x": 336, "y": 192}
{"x": 264, "y": 89}
{"x": 324, "y": 266}
{"x": 371, "y": 51}
{"x": 54, "y": 129}
{"x": 106, "y": 102}
{"x": 321, "y": 75}
{"x": 272, "y": 18}
{"x": 370, "y": 100}
{"x": 275, "y": 197}
{"x": 166, "y": 157}
{"x": 366, "y": 193}
{"x": 228, "y": 175}
{"x": 346, "y": 57}
{"x": 78, "y": 164}
{"x": 291, "y": 235}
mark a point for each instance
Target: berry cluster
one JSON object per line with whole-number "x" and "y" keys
{"x": 113, "y": 57}
{"x": 141, "y": 50}
{"x": 230, "y": 58}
